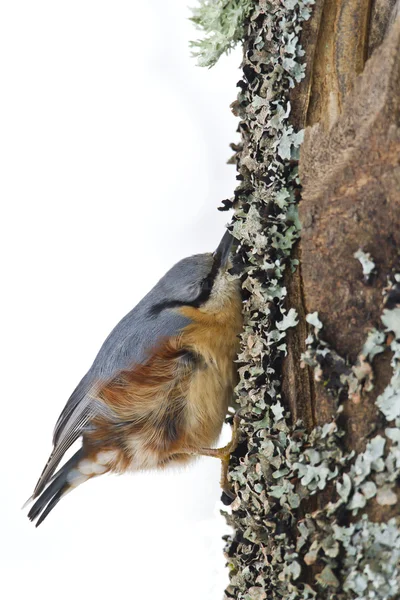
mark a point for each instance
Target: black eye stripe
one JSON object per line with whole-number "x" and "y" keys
{"x": 208, "y": 283}
{"x": 206, "y": 287}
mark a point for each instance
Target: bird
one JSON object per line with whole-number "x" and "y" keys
{"x": 159, "y": 388}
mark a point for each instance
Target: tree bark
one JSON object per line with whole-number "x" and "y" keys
{"x": 316, "y": 512}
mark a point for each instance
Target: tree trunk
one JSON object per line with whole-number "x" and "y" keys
{"x": 316, "y": 511}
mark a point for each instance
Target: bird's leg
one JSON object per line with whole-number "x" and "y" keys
{"x": 222, "y": 453}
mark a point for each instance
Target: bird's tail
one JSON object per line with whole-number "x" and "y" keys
{"x": 66, "y": 478}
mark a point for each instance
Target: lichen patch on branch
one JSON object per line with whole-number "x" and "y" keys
{"x": 303, "y": 513}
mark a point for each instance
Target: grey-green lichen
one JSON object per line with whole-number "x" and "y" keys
{"x": 222, "y": 24}
{"x": 389, "y": 401}
{"x": 371, "y": 559}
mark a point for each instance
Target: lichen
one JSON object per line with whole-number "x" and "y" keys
{"x": 371, "y": 559}
{"x": 389, "y": 401}
{"x": 367, "y": 264}
{"x": 222, "y": 24}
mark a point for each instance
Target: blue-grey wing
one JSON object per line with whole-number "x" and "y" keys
{"x": 129, "y": 343}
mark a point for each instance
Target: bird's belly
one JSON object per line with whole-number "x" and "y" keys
{"x": 206, "y": 406}
{"x": 182, "y": 423}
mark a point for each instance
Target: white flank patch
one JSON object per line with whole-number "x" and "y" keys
{"x": 106, "y": 457}
{"x": 90, "y": 467}
{"x": 142, "y": 457}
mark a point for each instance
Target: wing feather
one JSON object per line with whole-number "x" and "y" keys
{"x": 128, "y": 344}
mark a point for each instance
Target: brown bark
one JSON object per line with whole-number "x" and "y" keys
{"x": 350, "y": 174}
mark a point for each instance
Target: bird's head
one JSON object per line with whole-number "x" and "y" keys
{"x": 201, "y": 281}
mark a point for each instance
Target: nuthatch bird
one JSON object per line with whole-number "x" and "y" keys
{"x": 159, "y": 388}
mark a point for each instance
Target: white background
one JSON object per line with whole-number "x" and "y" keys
{"x": 113, "y": 148}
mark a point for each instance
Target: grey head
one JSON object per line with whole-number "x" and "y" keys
{"x": 190, "y": 281}
{"x": 183, "y": 284}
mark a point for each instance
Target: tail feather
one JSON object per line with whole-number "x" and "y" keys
{"x": 56, "y": 489}
{"x": 55, "y": 499}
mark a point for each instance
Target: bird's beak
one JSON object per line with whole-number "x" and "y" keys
{"x": 223, "y": 251}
